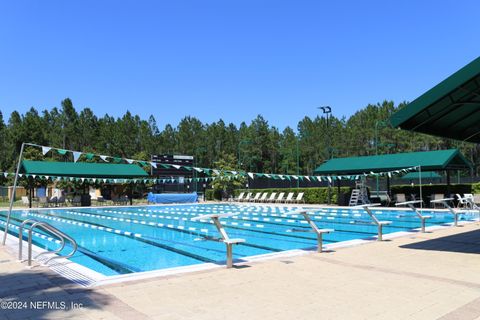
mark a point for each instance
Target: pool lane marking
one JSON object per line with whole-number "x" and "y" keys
{"x": 139, "y": 236}
{"x": 319, "y": 216}
{"x": 107, "y": 217}
{"x": 235, "y": 224}
{"x": 135, "y": 236}
{"x": 181, "y": 228}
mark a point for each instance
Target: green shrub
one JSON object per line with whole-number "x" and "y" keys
{"x": 211, "y": 194}
{"x": 475, "y": 188}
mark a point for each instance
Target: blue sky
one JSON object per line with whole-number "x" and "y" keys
{"x": 229, "y": 59}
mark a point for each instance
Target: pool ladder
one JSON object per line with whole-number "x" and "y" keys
{"x": 49, "y": 228}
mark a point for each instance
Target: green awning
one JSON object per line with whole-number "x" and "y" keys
{"x": 451, "y": 109}
{"x": 450, "y": 159}
{"x": 82, "y": 169}
{"x": 425, "y": 175}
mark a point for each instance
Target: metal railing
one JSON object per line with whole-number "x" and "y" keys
{"x": 45, "y": 226}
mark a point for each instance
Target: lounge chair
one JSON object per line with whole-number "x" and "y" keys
{"x": 240, "y": 197}
{"x": 400, "y": 197}
{"x": 263, "y": 197}
{"x": 25, "y": 201}
{"x": 299, "y": 198}
{"x": 257, "y": 196}
{"x": 77, "y": 201}
{"x": 52, "y": 202}
{"x": 248, "y": 197}
{"x": 462, "y": 201}
{"x": 470, "y": 199}
{"x": 43, "y": 202}
{"x": 289, "y": 197}
{"x": 281, "y": 196}
{"x": 101, "y": 201}
{"x": 475, "y": 200}
{"x": 61, "y": 201}
{"x": 271, "y": 198}
{"x": 437, "y": 196}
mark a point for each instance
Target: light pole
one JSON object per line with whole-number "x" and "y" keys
{"x": 298, "y": 166}
{"x": 244, "y": 141}
{"x": 327, "y": 110}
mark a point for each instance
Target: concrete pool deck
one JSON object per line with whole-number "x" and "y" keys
{"x": 418, "y": 276}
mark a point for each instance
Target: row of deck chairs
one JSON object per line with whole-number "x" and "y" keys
{"x": 263, "y": 197}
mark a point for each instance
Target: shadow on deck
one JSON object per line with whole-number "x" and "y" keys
{"x": 36, "y": 294}
{"x": 466, "y": 242}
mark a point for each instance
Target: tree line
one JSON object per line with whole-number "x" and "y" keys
{"x": 255, "y": 146}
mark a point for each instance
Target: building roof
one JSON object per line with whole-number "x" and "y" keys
{"x": 82, "y": 169}
{"x": 450, "y": 159}
{"x": 451, "y": 109}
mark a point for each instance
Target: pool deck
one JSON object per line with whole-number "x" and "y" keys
{"x": 419, "y": 276}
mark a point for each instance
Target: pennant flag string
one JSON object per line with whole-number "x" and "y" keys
{"x": 217, "y": 172}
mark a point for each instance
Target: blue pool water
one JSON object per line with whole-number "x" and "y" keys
{"x": 142, "y": 238}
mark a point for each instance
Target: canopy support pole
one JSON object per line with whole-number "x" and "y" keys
{"x": 388, "y": 186}
{"x": 338, "y": 192}
{"x": 448, "y": 183}
{"x": 420, "y": 182}
{"x": 12, "y": 199}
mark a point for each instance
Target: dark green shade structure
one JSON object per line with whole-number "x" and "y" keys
{"x": 425, "y": 175}
{"x": 451, "y": 109}
{"x": 450, "y": 159}
{"x": 82, "y": 169}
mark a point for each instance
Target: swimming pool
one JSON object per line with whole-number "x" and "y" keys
{"x": 122, "y": 240}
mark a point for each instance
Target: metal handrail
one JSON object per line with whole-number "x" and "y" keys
{"x": 20, "y": 235}
{"x": 44, "y": 225}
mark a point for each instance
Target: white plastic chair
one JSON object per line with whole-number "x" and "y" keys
{"x": 272, "y": 197}
{"x": 299, "y": 198}
{"x": 247, "y": 198}
{"x": 281, "y": 196}
{"x": 263, "y": 197}
{"x": 240, "y": 196}
{"x": 257, "y": 196}
{"x": 289, "y": 197}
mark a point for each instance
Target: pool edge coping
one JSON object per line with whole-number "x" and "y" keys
{"x": 66, "y": 268}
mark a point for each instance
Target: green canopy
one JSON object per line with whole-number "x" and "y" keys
{"x": 450, "y": 159}
{"x": 82, "y": 169}
{"x": 451, "y": 109}
{"x": 425, "y": 175}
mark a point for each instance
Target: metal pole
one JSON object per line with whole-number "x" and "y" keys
{"x": 298, "y": 167}
{"x": 420, "y": 181}
{"x": 12, "y": 199}
{"x": 195, "y": 171}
